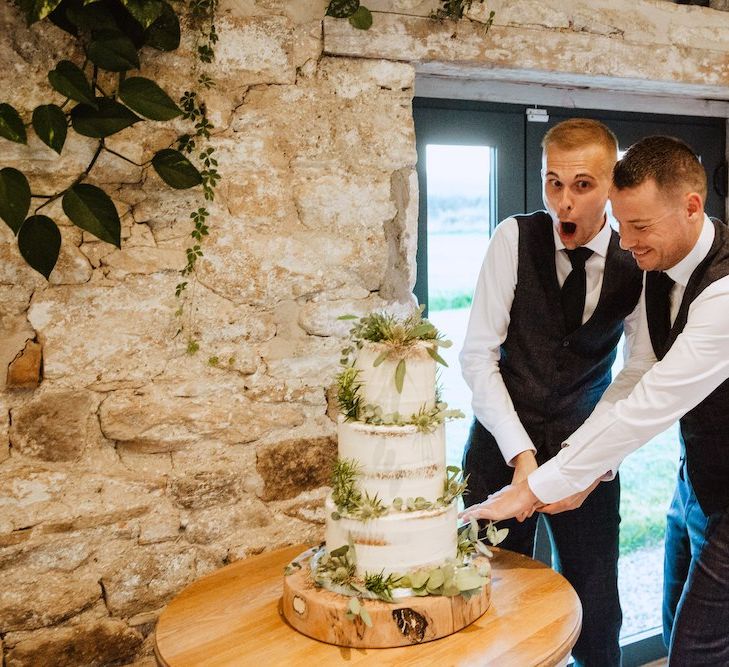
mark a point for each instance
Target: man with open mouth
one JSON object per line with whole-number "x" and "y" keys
{"x": 553, "y": 293}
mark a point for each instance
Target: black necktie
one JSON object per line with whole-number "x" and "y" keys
{"x": 661, "y": 320}
{"x": 574, "y": 288}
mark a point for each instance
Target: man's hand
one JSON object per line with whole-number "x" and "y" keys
{"x": 524, "y": 464}
{"x": 512, "y": 501}
{"x": 570, "y": 502}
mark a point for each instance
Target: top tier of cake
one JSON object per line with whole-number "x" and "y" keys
{"x": 379, "y": 383}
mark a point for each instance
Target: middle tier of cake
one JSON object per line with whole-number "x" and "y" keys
{"x": 395, "y": 461}
{"x": 398, "y": 542}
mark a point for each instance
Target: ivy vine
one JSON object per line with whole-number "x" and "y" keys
{"x": 111, "y": 34}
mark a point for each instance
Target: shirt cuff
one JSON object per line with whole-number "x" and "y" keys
{"x": 512, "y": 439}
{"x": 549, "y": 484}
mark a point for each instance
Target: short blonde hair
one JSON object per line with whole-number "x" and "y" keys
{"x": 579, "y": 132}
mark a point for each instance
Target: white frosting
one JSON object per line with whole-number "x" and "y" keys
{"x": 378, "y": 382}
{"x": 395, "y": 461}
{"x": 396, "y": 543}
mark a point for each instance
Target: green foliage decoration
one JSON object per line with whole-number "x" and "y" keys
{"x": 111, "y": 34}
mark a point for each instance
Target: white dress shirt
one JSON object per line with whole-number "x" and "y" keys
{"x": 489, "y": 322}
{"x": 648, "y": 396}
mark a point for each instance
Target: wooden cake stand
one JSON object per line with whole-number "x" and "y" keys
{"x": 322, "y": 614}
{"x": 233, "y": 618}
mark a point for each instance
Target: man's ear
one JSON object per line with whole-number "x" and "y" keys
{"x": 694, "y": 205}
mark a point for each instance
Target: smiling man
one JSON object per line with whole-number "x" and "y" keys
{"x": 547, "y": 313}
{"x": 678, "y": 369}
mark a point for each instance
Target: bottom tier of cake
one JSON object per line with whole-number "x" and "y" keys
{"x": 397, "y": 542}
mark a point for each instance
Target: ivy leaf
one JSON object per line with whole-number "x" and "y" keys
{"x": 114, "y": 51}
{"x": 91, "y": 209}
{"x": 70, "y": 80}
{"x": 39, "y": 242}
{"x": 400, "y": 375}
{"x": 436, "y": 357}
{"x": 146, "y": 98}
{"x": 92, "y": 18}
{"x": 11, "y": 125}
{"x": 108, "y": 118}
{"x": 164, "y": 33}
{"x": 35, "y": 10}
{"x": 342, "y": 9}
{"x": 49, "y": 123}
{"x": 175, "y": 169}
{"x": 14, "y": 198}
{"x": 145, "y": 12}
{"x": 362, "y": 18}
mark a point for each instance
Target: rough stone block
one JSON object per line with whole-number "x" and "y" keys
{"x": 33, "y": 600}
{"x": 147, "y": 579}
{"x": 92, "y": 644}
{"x": 292, "y": 466}
{"x": 53, "y": 425}
{"x": 24, "y": 371}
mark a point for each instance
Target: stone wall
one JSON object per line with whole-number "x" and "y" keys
{"x": 129, "y": 467}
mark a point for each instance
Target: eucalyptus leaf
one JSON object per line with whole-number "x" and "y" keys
{"x": 14, "y": 198}
{"x": 175, "y": 169}
{"x": 49, "y": 123}
{"x": 468, "y": 579}
{"x": 39, "y": 242}
{"x": 400, "y": 375}
{"x": 362, "y": 18}
{"x": 145, "y": 12}
{"x": 146, "y": 98}
{"x": 354, "y": 605}
{"x": 419, "y": 579}
{"x": 435, "y": 580}
{"x": 483, "y": 549}
{"x": 108, "y": 118}
{"x": 339, "y": 551}
{"x": 112, "y": 50}
{"x": 70, "y": 80}
{"x": 35, "y": 10}
{"x": 500, "y": 536}
{"x": 91, "y": 209}
{"x": 365, "y": 616}
{"x": 473, "y": 533}
{"x": 380, "y": 358}
{"x": 342, "y": 9}
{"x": 11, "y": 125}
{"x": 436, "y": 357}
{"x": 164, "y": 33}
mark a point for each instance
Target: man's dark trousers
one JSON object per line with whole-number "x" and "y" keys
{"x": 586, "y": 542}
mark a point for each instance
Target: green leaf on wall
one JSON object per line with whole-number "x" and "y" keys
{"x": 114, "y": 51}
{"x": 91, "y": 209}
{"x": 49, "y": 123}
{"x": 69, "y": 80}
{"x": 175, "y": 169}
{"x": 14, "y": 198}
{"x": 11, "y": 125}
{"x": 35, "y": 10}
{"x": 146, "y": 98}
{"x": 164, "y": 33}
{"x": 39, "y": 242}
{"x": 108, "y": 118}
{"x": 145, "y": 12}
{"x": 361, "y": 19}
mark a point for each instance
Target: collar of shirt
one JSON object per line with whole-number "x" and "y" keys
{"x": 598, "y": 244}
{"x": 681, "y": 272}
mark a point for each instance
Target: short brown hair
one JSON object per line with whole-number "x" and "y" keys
{"x": 577, "y": 132}
{"x": 670, "y": 162}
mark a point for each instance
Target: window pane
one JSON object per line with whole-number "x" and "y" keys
{"x": 459, "y": 202}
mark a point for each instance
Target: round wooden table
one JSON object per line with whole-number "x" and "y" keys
{"x": 232, "y": 618}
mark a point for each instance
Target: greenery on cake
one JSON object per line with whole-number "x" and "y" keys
{"x": 458, "y": 576}
{"x": 348, "y": 397}
{"x": 352, "y": 503}
{"x": 397, "y": 334}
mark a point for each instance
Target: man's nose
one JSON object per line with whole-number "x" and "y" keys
{"x": 565, "y": 201}
{"x": 627, "y": 240}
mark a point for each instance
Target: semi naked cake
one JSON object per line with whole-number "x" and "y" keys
{"x": 392, "y": 515}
